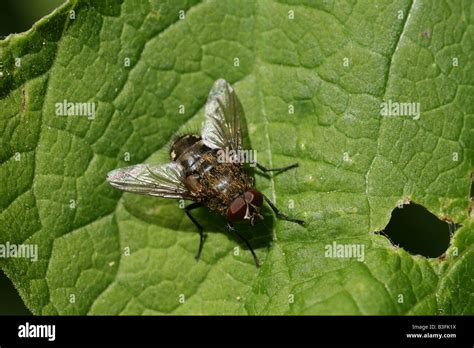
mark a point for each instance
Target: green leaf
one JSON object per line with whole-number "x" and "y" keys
{"x": 105, "y": 252}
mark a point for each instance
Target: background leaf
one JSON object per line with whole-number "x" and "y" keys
{"x": 397, "y": 50}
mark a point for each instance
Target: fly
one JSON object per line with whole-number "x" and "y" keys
{"x": 198, "y": 173}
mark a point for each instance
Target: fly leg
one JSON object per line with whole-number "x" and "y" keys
{"x": 279, "y": 170}
{"x": 230, "y": 229}
{"x": 280, "y": 214}
{"x": 199, "y": 227}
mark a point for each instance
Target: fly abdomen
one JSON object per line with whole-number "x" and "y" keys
{"x": 182, "y": 144}
{"x": 188, "y": 150}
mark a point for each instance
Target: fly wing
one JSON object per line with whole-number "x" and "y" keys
{"x": 163, "y": 181}
{"x": 221, "y": 127}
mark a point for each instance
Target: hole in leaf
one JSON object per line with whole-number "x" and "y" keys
{"x": 413, "y": 228}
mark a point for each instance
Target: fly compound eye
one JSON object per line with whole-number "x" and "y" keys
{"x": 253, "y": 197}
{"x": 237, "y": 209}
